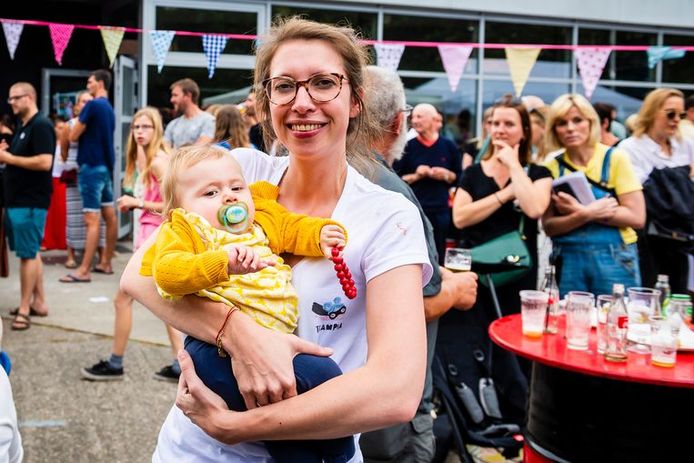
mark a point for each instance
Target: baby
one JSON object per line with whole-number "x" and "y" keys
{"x": 221, "y": 240}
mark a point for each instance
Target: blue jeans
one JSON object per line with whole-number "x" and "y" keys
{"x": 96, "y": 187}
{"x": 310, "y": 371}
{"x": 596, "y": 267}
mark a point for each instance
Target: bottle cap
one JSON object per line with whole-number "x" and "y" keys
{"x": 680, "y": 297}
{"x": 618, "y": 288}
{"x": 662, "y": 277}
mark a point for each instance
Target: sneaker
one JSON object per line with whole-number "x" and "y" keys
{"x": 102, "y": 371}
{"x": 167, "y": 374}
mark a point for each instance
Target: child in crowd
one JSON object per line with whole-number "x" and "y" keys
{"x": 233, "y": 258}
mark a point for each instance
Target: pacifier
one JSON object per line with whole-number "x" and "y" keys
{"x": 234, "y": 217}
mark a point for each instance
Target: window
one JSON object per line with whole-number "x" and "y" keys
{"x": 430, "y": 29}
{"x": 364, "y": 23}
{"x": 550, "y": 63}
{"x": 679, "y": 70}
{"x": 212, "y": 21}
{"x": 627, "y": 100}
{"x": 633, "y": 65}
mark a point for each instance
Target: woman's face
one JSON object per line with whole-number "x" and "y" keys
{"x": 538, "y": 129}
{"x": 143, "y": 130}
{"x": 305, "y": 127}
{"x": 506, "y": 126}
{"x": 572, "y": 129}
{"x": 667, "y": 118}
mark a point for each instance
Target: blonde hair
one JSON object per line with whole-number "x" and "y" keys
{"x": 155, "y": 145}
{"x": 182, "y": 159}
{"x": 651, "y": 105}
{"x": 559, "y": 108}
{"x": 345, "y": 42}
{"x": 231, "y": 127}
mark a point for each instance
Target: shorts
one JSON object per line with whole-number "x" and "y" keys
{"x": 25, "y": 227}
{"x": 96, "y": 187}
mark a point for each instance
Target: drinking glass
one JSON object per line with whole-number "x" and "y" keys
{"x": 579, "y": 309}
{"x": 458, "y": 260}
{"x": 533, "y": 310}
{"x": 602, "y": 305}
{"x": 643, "y": 303}
{"x": 663, "y": 341}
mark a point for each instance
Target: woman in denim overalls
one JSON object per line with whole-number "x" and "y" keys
{"x": 595, "y": 243}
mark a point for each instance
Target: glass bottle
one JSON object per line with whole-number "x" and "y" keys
{"x": 617, "y": 325}
{"x": 663, "y": 285}
{"x": 549, "y": 286}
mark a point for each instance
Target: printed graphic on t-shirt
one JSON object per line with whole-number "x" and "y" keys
{"x": 328, "y": 312}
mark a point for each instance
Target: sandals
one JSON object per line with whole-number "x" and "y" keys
{"x": 101, "y": 270}
{"x": 70, "y": 278}
{"x": 32, "y": 312}
{"x": 21, "y": 322}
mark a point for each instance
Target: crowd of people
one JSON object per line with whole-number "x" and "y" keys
{"x": 341, "y": 156}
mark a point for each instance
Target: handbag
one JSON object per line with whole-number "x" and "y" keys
{"x": 68, "y": 177}
{"x": 508, "y": 250}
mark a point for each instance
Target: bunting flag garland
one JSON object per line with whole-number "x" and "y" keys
{"x": 591, "y": 62}
{"x": 213, "y": 45}
{"x": 520, "y": 63}
{"x": 454, "y": 59}
{"x": 13, "y": 31}
{"x": 388, "y": 55}
{"x": 161, "y": 42}
{"x": 60, "y": 36}
{"x": 657, "y": 54}
{"x": 112, "y": 37}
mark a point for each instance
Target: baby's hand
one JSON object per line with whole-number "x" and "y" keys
{"x": 331, "y": 236}
{"x": 243, "y": 259}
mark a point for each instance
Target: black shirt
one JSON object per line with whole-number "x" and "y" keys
{"x": 25, "y": 187}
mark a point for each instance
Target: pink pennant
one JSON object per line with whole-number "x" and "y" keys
{"x": 591, "y": 62}
{"x": 454, "y": 59}
{"x": 60, "y": 35}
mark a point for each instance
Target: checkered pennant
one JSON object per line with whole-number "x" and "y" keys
{"x": 161, "y": 42}
{"x": 213, "y": 46}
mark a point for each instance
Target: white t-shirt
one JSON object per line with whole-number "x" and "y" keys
{"x": 646, "y": 154}
{"x": 385, "y": 231}
{"x": 10, "y": 440}
{"x": 183, "y": 131}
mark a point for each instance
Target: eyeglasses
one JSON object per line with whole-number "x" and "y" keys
{"x": 671, "y": 114}
{"x": 407, "y": 110}
{"x": 143, "y": 127}
{"x": 321, "y": 88}
{"x": 16, "y": 97}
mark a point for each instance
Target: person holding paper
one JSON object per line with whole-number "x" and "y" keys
{"x": 595, "y": 244}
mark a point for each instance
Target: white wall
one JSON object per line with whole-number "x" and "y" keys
{"x": 672, "y": 13}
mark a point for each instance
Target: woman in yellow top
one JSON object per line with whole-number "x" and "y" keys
{"x": 596, "y": 243}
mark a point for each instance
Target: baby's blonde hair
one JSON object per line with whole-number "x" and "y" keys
{"x": 184, "y": 158}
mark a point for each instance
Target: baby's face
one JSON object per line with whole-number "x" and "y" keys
{"x": 212, "y": 183}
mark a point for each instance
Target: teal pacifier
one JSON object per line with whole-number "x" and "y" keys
{"x": 234, "y": 217}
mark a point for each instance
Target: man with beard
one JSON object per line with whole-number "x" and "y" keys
{"x": 411, "y": 442}
{"x": 431, "y": 164}
{"x": 27, "y": 190}
{"x": 193, "y": 126}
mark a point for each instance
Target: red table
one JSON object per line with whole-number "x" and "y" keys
{"x": 583, "y": 408}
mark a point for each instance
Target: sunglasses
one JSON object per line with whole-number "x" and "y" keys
{"x": 671, "y": 114}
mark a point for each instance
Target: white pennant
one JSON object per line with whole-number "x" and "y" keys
{"x": 388, "y": 55}
{"x": 13, "y": 31}
{"x": 591, "y": 62}
{"x": 454, "y": 58}
{"x": 161, "y": 42}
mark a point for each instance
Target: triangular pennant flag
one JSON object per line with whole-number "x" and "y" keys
{"x": 520, "y": 63}
{"x": 13, "y": 31}
{"x": 213, "y": 45}
{"x": 60, "y": 36}
{"x": 454, "y": 59}
{"x": 112, "y": 37}
{"x": 388, "y": 55}
{"x": 161, "y": 42}
{"x": 591, "y": 62}
{"x": 657, "y": 54}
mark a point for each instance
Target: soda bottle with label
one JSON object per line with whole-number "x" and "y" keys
{"x": 663, "y": 284}
{"x": 549, "y": 286}
{"x": 617, "y": 325}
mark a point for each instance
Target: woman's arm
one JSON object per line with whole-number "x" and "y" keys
{"x": 386, "y": 390}
{"x": 533, "y": 197}
{"x": 631, "y": 211}
{"x": 567, "y": 214}
{"x": 467, "y": 212}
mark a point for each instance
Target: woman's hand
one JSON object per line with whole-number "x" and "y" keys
{"x": 603, "y": 209}
{"x": 262, "y": 360}
{"x": 126, "y": 203}
{"x": 506, "y": 154}
{"x": 202, "y": 406}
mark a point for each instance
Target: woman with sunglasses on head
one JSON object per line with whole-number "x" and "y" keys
{"x": 309, "y": 80}
{"x": 596, "y": 242}
{"x": 658, "y": 144}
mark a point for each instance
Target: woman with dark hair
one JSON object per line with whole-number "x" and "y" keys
{"x": 230, "y": 129}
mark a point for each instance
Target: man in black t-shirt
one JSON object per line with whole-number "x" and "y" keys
{"x": 28, "y": 188}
